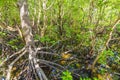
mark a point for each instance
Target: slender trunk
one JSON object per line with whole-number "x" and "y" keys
{"x": 28, "y": 37}
{"x": 43, "y": 29}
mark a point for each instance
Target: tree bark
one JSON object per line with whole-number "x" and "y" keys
{"x": 28, "y": 37}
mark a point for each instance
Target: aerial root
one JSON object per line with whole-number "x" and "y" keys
{"x": 39, "y": 71}
{"x": 22, "y": 50}
{"x": 19, "y": 75}
{"x": 35, "y": 65}
{"x": 51, "y": 63}
{"x": 11, "y": 65}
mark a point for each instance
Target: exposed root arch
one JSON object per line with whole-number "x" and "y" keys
{"x": 11, "y": 65}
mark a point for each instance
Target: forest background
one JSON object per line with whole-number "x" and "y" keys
{"x": 74, "y": 39}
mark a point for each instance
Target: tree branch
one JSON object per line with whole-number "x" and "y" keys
{"x": 107, "y": 43}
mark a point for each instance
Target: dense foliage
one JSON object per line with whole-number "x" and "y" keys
{"x": 83, "y": 35}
